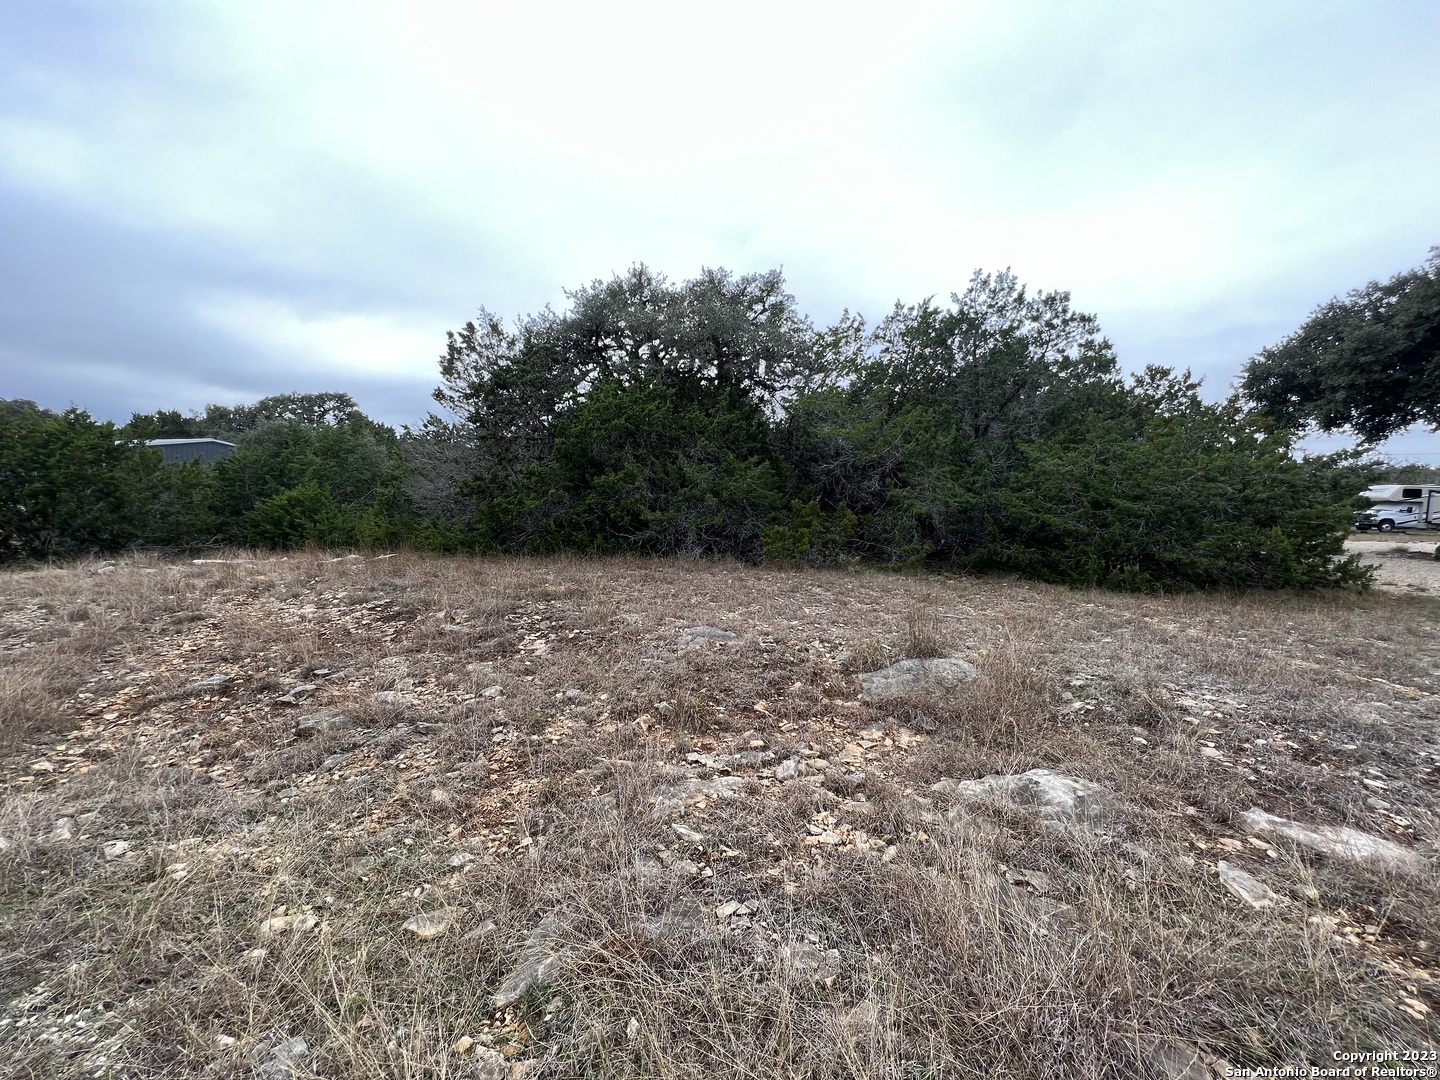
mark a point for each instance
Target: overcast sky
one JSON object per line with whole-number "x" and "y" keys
{"x": 218, "y": 201}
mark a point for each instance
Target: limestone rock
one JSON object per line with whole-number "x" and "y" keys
{"x": 671, "y": 799}
{"x": 317, "y": 723}
{"x": 802, "y": 963}
{"x": 915, "y": 677}
{"x": 697, "y": 636}
{"x": 297, "y": 923}
{"x": 490, "y": 1065}
{"x": 1066, "y": 800}
{"x": 298, "y": 693}
{"x": 539, "y": 962}
{"x": 280, "y": 1061}
{"x": 1245, "y": 885}
{"x": 115, "y": 849}
{"x": 64, "y": 829}
{"x": 1173, "y": 1059}
{"x": 492, "y": 692}
{"x": 394, "y": 697}
{"x": 427, "y": 925}
{"x": 1338, "y": 841}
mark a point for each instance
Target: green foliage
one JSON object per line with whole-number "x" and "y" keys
{"x": 811, "y": 535}
{"x": 348, "y": 477}
{"x": 708, "y": 417}
{"x": 1370, "y": 362}
{"x": 295, "y": 517}
{"x": 1174, "y": 500}
{"x": 635, "y": 421}
{"x": 67, "y": 485}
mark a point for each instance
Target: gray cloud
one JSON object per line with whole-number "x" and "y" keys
{"x": 216, "y": 203}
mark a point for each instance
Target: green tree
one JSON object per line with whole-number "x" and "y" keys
{"x": 912, "y": 426}
{"x": 1369, "y": 362}
{"x": 637, "y": 419}
{"x": 1174, "y": 493}
{"x": 66, "y": 485}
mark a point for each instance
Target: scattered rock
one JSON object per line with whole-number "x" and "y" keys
{"x": 1246, "y": 886}
{"x": 1173, "y": 1059}
{"x": 115, "y": 849}
{"x": 539, "y": 962}
{"x": 297, "y": 923}
{"x": 284, "y": 1060}
{"x": 475, "y": 934}
{"x": 298, "y": 693}
{"x": 572, "y": 694}
{"x": 697, "y": 636}
{"x": 462, "y": 1045}
{"x": 288, "y": 793}
{"x": 460, "y": 858}
{"x": 632, "y": 1029}
{"x": 6, "y": 843}
{"x": 671, "y": 799}
{"x": 745, "y": 759}
{"x": 334, "y": 761}
{"x": 64, "y": 829}
{"x": 428, "y": 924}
{"x": 317, "y": 723}
{"x": 212, "y": 683}
{"x": 915, "y": 677}
{"x": 490, "y": 1065}
{"x": 802, "y": 963}
{"x": 481, "y": 668}
{"x": 686, "y": 833}
{"x": 683, "y": 920}
{"x": 1338, "y": 841}
{"x": 1056, "y": 798}
{"x": 394, "y": 697}
{"x": 496, "y": 691}
{"x": 457, "y": 628}
{"x": 1209, "y": 752}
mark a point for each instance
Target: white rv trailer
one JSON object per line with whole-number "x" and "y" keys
{"x": 1400, "y": 506}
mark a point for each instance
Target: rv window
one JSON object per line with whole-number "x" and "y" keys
{"x": 1412, "y": 493}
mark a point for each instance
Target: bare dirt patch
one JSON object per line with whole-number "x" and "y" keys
{"x": 424, "y": 817}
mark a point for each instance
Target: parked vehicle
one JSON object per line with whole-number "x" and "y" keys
{"x": 1400, "y": 506}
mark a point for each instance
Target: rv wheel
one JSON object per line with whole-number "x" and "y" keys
{"x": 1386, "y": 526}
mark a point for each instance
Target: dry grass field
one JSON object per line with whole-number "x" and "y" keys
{"x": 422, "y": 817}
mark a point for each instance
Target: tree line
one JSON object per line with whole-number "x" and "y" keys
{"x": 709, "y": 417}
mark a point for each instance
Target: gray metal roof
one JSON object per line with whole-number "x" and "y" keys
{"x": 184, "y": 442}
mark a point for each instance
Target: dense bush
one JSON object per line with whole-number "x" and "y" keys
{"x": 709, "y": 417}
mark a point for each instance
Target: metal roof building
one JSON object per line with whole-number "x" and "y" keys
{"x": 205, "y": 451}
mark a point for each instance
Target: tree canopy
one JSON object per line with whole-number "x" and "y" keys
{"x": 1369, "y": 362}
{"x": 710, "y": 417}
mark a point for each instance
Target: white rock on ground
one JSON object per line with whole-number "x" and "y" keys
{"x": 1246, "y": 886}
{"x": 115, "y": 849}
{"x": 802, "y": 963}
{"x": 322, "y": 721}
{"x": 671, "y": 799}
{"x": 540, "y": 961}
{"x": 1063, "y": 799}
{"x": 694, "y": 637}
{"x": 1338, "y": 841}
{"x": 915, "y": 677}
{"x": 427, "y": 925}
{"x": 64, "y": 829}
{"x": 284, "y": 1061}
{"x": 297, "y": 923}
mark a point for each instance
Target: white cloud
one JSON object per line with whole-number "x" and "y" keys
{"x": 1200, "y": 178}
{"x": 344, "y": 343}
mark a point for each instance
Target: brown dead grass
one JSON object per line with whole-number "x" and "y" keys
{"x": 1114, "y": 944}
